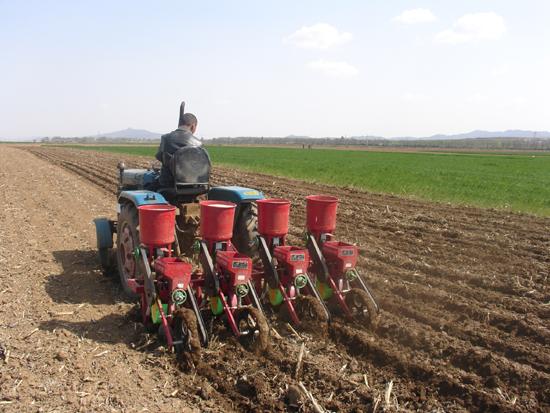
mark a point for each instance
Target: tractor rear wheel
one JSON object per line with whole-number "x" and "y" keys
{"x": 253, "y": 328}
{"x": 127, "y": 241}
{"x": 186, "y": 336}
{"x": 361, "y": 306}
{"x": 245, "y": 232}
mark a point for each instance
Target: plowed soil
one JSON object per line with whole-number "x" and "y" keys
{"x": 464, "y": 296}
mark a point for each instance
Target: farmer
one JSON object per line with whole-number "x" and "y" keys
{"x": 171, "y": 142}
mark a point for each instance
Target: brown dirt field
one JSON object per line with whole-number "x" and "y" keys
{"x": 464, "y": 294}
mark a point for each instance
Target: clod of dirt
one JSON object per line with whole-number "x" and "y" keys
{"x": 293, "y": 397}
{"x": 62, "y": 355}
{"x": 245, "y": 387}
{"x": 493, "y": 382}
{"x": 422, "y": 393}
{"x": 204, "y": 392}
{"x": 489, "y": 369}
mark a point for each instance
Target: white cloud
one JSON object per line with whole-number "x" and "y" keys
{"x": 332, "y": 68}
{"x": 414, "y": 97}
{"x": 519, "y": 100}
{"x": 501, "y": 70}
{"x": 473, "y": 27}
{"x": 414, "y": 16}
{"x": 318, "y": 36}
{"x": 477, "y": 98}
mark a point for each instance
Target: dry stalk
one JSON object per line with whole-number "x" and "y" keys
{"x": 376, "y": 403}
{"x": 366, "y": 381}
{"x": 298, "y": 336}
{"x": 506, "y": 397}
{"x": 63, "y": 313}
{"x": 17, "y": 384}
{"x": 102, "y": 353}
{"x": 139, "y": 348}
{"x": 316, "y": 407}
{"x": 31, "y": 333}
{"x": 300, "y": 358}
{"x": 276, "y": 334}
{"x": 387, "y": 394}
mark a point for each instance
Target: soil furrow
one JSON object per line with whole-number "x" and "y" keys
{"x": 464, "y": 294}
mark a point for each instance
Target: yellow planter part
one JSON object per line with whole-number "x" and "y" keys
{"x": 216, "y": 305}
{"x": 155, "y": 313}
{"x": 275, "y": 296}
{"x": 324, "y": 290}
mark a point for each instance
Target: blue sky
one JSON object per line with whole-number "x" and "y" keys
{"x": 273, "y": 68}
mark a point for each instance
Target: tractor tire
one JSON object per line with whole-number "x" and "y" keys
{"x": 108, "y": 261}
{"x": 126, "y": 243}
{"x": 362, "y": 307}
{"x": 253, "y": 324}
{"x": 105, "y": 259}
{"x": 185, "y": 329}
{"x": 245, "y": 233}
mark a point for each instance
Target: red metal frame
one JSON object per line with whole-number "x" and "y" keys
{"x": 291, "y": 261}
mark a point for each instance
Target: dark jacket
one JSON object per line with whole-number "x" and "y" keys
{"x": 169, "y": 144}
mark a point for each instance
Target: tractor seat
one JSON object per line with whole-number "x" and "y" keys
{"x": 190, "y": 168}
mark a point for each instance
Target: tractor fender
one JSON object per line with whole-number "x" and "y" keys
{"x": 141, "y": 197}
{"x": 104, "y": 233}
{"x": 235, "y": 194}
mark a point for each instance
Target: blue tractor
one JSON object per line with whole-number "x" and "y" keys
{"x": 190, "y": 167}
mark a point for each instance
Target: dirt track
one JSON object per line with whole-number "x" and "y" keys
{"x": 465, "y": 297}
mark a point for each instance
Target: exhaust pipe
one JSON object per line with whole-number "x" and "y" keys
{"x": 182, "y": 112}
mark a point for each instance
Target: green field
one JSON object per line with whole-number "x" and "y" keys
{"x": 515, "y": 182}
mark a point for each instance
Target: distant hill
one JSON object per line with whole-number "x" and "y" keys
{"x": 513, "y": 133}
{"x": 129, "y": 133}
{"x": 142, "y": 134}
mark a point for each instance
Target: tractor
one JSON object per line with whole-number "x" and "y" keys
{"x": 193, "y": 254}
{"x": 182, "y": 251}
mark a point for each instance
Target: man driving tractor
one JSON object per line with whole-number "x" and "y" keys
{"x": 171, "y": 142}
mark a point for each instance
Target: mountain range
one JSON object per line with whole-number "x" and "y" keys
{"x": 129, "y": 133}
{"x": 143, "y": 134}
{"x": 512, "y": 133}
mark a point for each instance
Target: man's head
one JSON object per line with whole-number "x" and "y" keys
{"x": 188, "y": 121}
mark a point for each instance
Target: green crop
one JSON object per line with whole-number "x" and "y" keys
{"x": 518, "y": 182}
